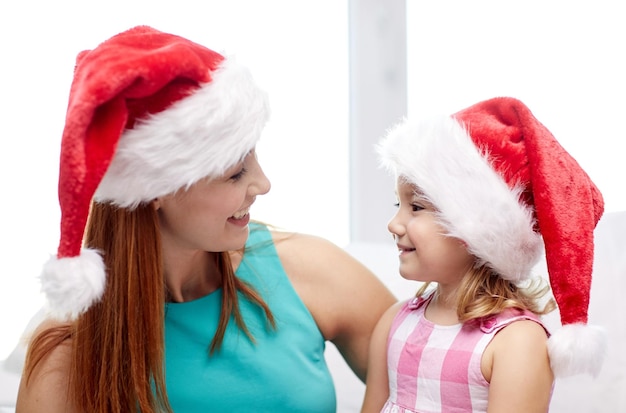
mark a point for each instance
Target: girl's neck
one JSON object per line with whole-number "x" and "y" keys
{"x": 442, "y": 308}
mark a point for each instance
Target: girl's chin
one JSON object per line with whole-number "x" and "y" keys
{"x": 411, "y": 276}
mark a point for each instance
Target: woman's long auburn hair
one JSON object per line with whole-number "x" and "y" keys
{"x": 118, "y": 344}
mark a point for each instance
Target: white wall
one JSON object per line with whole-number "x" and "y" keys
{"x": 564, "y": 59}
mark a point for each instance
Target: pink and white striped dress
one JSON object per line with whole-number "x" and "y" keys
{"x": 436, "y": 369}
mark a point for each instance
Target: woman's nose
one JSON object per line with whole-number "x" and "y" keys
{"x": 261, "y": 183}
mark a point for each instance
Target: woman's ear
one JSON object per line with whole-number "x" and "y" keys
{"x": 156, "y": 203}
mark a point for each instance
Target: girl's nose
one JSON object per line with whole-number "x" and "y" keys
{"x": 395, "y": 227}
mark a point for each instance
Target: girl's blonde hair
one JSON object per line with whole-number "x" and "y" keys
{"x": 118, "y": 344}
{"x": 483, "y": 293}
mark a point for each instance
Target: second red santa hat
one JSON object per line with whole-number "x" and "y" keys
{"x": 504, "y": 185}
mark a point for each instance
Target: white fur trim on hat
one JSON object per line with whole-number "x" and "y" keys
{"x": 73, "y": 284}
{"x": 474, "y": 202}
{"x": 201, "y": 135}
{"x": 577, "y": 348}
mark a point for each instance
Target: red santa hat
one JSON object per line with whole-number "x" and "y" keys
{"x": 504, "y": 185}
{"x": 149, "y": 113}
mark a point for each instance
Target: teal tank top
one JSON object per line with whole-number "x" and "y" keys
{"x": 283, "y": 371}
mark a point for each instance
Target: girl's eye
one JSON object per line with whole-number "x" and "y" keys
{"x": 239, "y": 174}
{"x": 414, "y": 207}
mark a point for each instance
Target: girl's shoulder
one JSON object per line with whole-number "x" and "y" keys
{"x": 519, "y": 330}
{"x": 519, "y": 342}
{"x": 508, "y": 317}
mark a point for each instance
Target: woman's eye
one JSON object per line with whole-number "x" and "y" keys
{"x": 397, "y": 204}
{"x": 239, "y": 174}
{"x": 416, "y": 207}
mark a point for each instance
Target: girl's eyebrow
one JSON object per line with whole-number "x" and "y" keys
{"x": 420, "y": 196}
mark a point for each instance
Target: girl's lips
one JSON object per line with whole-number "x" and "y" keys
{"x": 403, "y": 250}
{"x": 241, "y": 222}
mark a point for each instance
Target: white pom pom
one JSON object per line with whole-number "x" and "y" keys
{"x": 72, "y": 284}
{"x": 577, "y": 349}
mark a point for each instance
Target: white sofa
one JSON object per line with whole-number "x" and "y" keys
{"x": 580, "y": 394}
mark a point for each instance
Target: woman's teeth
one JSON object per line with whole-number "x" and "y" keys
{"x": 241, "y": 214}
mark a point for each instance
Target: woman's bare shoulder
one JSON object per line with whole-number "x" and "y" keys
{"x": 45, "y": 389}
{"x": 303, "y": 248}
{"x": 292, "y": 237}
{"x": 316, "y": 260}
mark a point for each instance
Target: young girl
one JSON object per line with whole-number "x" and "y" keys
{"x": 176, "y": 301}
{"x": 479, "y": 194}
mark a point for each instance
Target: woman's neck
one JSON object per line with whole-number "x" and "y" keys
{"x": 190, "y": 276}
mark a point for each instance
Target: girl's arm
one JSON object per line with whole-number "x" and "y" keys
{"x": 517, "y": 366}
{"x": 377, "y": 383}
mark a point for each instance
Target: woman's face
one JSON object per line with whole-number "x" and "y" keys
{"x": 213, "y": 214}
{"x": 426, "y": 253}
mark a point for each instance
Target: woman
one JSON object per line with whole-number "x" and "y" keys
{"x": 176, "y": 301}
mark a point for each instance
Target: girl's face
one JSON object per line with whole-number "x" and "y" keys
{"x": 426, "y": 253}
{"x": 213, "y": 214}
